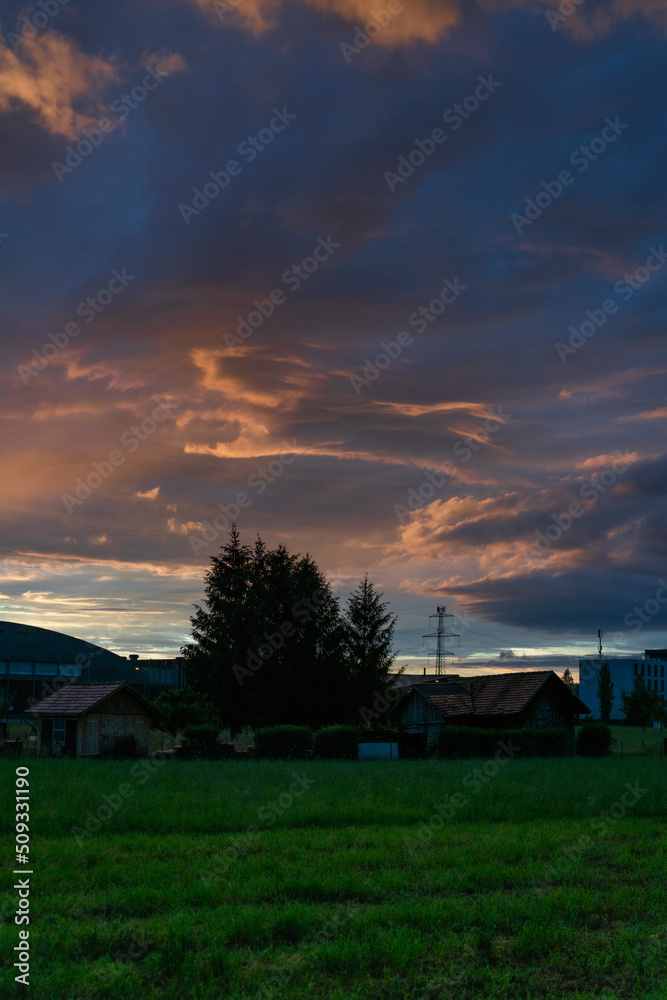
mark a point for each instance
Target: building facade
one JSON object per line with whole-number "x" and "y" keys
{"x": 651, "y": 667}
{"x": 35, "y": 662}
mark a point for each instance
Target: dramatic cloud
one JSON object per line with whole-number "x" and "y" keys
{"x": 49, "y": 76}
{"x": 404, "y": 22}
{"x": 333, "y": 399}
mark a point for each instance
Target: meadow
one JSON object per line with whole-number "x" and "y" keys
{"x": 408, "y": 880}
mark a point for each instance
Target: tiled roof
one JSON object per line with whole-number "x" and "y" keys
{"x": 76, "y": 699}
{"x": 507, "y": 693}
{"x": 492, "y": 694}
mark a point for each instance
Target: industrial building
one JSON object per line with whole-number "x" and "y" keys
{"x": 650, "y": 666}
{"x": 36, "y": 662}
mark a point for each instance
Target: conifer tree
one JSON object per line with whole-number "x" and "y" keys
{"x": 369, "y": 641}
{"x": 268, "y": 641}
{"x": 605, "y": 692}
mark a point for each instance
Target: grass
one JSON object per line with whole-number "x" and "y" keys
{"x": 636, "y": 740}
{"x": 216, "y": 880}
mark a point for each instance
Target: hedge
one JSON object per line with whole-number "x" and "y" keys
{"x": 199, "y": 742}
{"x": 337, "y": 742}
{"x": 594, "y": 740}
{"x": 412, "y": 746}
{"x": 284, "y": 742}
{"x": 125, "y": 747}
{"x": 468, "y": 741}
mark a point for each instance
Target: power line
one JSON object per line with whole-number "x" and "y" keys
{"x": 440, "y": 634}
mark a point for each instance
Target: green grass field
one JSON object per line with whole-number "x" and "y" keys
{"x": 202, "y": 881}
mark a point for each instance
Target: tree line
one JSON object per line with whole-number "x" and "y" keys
{"x": 272, "y": 645}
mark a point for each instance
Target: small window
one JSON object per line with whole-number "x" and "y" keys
{"x": 662, "y": 685}
{"x": 642, "y": 669}
{"x": 662, "y": 669}
{"x": 636, "y": 669}
{"x": 58, "y": 731}
{"x": 648, "y": 670}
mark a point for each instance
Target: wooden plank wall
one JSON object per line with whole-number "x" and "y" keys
{"x": 98, "y": 728}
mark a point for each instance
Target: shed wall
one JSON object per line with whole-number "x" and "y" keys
{"x": 99, "y": 729}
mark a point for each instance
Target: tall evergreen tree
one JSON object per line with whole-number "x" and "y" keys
{"x": 567, "y": 677}
{"x": 605, "y": 692}
{"x": 268, "y": 643}
{"x": 369, "y": 641}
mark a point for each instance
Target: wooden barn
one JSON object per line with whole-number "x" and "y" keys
{"x": 84, "y": 719}
{"x": 531, "y": 699}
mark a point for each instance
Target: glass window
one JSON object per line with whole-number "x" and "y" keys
{"x": 58, "y": 731}
{"x": 636, "y": 669}
{"x": 20, "y": 667}
{"x": 662, "y": 685}
{"x": 46, "y": 669}
{"x": 642, "y": 669}
{"x": 662, "y": 669}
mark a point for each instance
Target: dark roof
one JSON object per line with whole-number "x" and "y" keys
{"x": 29, "y": 642}
{"x": 77, "y": 699}
{"x": 411, "y": 680}
{"x": 492, "y": 694}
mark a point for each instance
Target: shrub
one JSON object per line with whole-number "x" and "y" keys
{"x": 466, "y": 741}
{"x": 412, "y": 746}
{"x": 337, "y": 742}
{"x": 200, "y": 742}
{"x": 123, "y": 748}
{"x": 547, "y": 742}
{"x": 469, "y": 741}
{"x": 284, "y": 742}
{"x": 184, "y": 707}
{"x": 594, "y": 740}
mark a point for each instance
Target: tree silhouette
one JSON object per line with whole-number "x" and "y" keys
{"x": 605, "y": 692}
{"x": 271, "y": 646}
{"x": 369, "y": 639}
{"x": 642, "y": 707}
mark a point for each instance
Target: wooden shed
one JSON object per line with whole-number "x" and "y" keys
{"x": 85, "y": 719}
{"x": 530, "y": 699}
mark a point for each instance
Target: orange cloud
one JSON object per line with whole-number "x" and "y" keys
{"x": 430, "y": 20}
{"x": 418, "y": 20}
{"x": 49, "y": 77}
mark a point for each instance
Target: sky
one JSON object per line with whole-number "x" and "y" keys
{"x": 383, "y": 282}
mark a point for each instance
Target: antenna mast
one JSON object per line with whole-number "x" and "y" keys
{"x": 441, "y": 634}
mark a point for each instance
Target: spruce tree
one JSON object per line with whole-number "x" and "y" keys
{"x": 369, "y": 642}
{"x": 268, "y": 641}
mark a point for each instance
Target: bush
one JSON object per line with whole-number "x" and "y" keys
{"x": 200, "y": 742}
{"x": 284, "y": 742}
{"x": 337, "y": 742}
{"x": 123, "y": 748}
{"x": 469, "y": 741}
{"x": 184, "y": 707}
{"x": 547, "y": 742}
{"x": 594, "y": 740}
{"x": 412, "y": 746}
